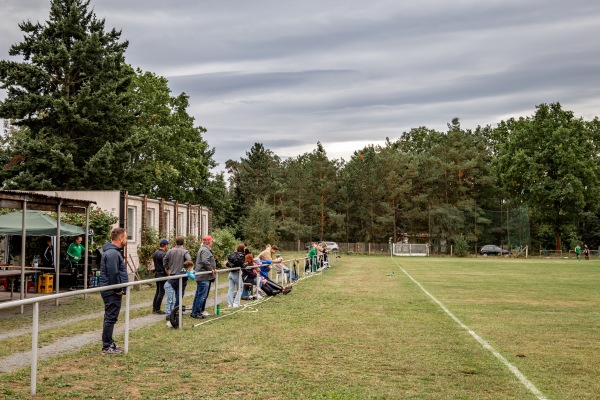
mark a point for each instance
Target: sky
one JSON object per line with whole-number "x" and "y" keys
{"x": 348, "y": 73}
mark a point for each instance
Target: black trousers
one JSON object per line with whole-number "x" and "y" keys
{"x": 112, "y": 307}
{"x": 75, "y": 268}
{"x": 158, "y": 296}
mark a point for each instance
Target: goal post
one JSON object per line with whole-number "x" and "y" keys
{"x": 410, "y": 249}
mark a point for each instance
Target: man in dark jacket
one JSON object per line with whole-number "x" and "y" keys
{"x": 159, "y": 272}
{"x": 48, "y": 258}
{"x": 112, "y": 272}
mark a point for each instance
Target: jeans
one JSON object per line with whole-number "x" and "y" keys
{"x": 173, "y": 296}
{"x": 112, "y": 307}
{"x": 234, "y": 282}
{"x": 202, "y": 289}
{"x": 158, "y": 296}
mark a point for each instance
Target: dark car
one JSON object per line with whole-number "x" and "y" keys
{"x": 492, "y": 250}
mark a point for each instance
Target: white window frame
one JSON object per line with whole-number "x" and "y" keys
{"x": 150, "y": 213}
{"x": 180, "y": 222}
{"x": 131, "y": 223}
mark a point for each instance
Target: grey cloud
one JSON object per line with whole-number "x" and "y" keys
{"x": 291, "y": 73}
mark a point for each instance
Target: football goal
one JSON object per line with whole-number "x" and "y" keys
{"x": 410, "y": 249}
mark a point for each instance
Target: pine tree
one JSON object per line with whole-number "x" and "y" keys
{"x": 70, "y": 97}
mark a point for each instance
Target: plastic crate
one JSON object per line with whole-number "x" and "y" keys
{"x": 46, "y": 283}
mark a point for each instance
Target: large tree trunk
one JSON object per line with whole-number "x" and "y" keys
{"x": 557, "y": 236}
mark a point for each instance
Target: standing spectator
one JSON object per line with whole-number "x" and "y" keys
{"x": 205, "y": 261}
{"x": 319, "y": 248}
{"x": 48, "y": 257}
{"x": 75, "y": 251}
{"x": 175, "y": 258}
{"x": 172, "y": 287}
{"x": 586, "y": 251}
{"x": 173, "y": 261}
{"x": 112, "y": 272}
{"x": 234, "y": 278}
{"x": 159, "y": 272}
{"x": 312, "y": 258}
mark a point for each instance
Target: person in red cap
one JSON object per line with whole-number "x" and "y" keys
{"x": 205, "y": 262}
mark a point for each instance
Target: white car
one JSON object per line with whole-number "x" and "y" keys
{"x": 332, "y": 246}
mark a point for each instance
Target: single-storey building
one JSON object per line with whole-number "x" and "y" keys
{"x": 136, "y": 213}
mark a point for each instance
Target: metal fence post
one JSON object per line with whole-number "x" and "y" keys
{"x": 216, "y": 292}
{"x": 180, "y": 301}
{"x": 127, "y": 298}
{"x": 34, "y": 348}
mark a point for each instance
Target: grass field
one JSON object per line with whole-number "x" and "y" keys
{"x": 365, "y": 330}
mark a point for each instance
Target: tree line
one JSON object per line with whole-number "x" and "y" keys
{"x": 79, "y": 117}
{"x": 431, "y": 184}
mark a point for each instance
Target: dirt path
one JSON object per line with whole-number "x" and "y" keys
{"x": 68, "y": 344}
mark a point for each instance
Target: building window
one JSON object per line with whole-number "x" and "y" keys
{"x": 131, "y": 224}
{"x": 180, "y": 223}
{"x": 150, "y": 218}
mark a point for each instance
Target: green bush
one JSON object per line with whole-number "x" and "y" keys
{"x": 146, "y": 251}
{"x": 461, "y": 248}
{"x": 225, "y": 243}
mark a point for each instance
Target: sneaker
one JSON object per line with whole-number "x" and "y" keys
{"x": 205, "y": 314}
{"x": 112, "y": 350}
{"x": 196, "y": 316}
{"x": 169, "y": 324}
{"x": 286, "y": 290}
{"x": 158, "y": 312}
{"x": 258, "y": 296}
{"x": 235, "y": 305}
{"x": 72, "y": 288}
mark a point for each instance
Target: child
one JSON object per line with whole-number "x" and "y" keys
{"x": 172, "y": 287}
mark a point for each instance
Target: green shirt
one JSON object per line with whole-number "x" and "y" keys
{"x": 75, "y": 250}
{"x": 577, "y": 250}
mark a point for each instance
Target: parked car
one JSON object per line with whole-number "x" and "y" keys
{"x": 492, "y": 250}
{"x": 332, "y": 246}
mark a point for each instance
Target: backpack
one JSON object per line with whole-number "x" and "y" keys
{"x": 235, "y": 260}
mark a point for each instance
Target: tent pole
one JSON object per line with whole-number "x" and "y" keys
{"x": 87, "y": 250}
{"x": 23, "y": 233}
{"x": 57, "y": 252}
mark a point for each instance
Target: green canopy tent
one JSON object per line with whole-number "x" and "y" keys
{"x": 38, "y": 224}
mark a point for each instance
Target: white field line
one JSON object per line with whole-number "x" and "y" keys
{"x": 522, "y": 378}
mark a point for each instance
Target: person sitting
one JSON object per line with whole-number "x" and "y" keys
{"x": 277, "y": 262}
{"x": 267, "y": 285}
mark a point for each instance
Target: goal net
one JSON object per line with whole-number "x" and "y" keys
{"x": 410, "y": 249}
